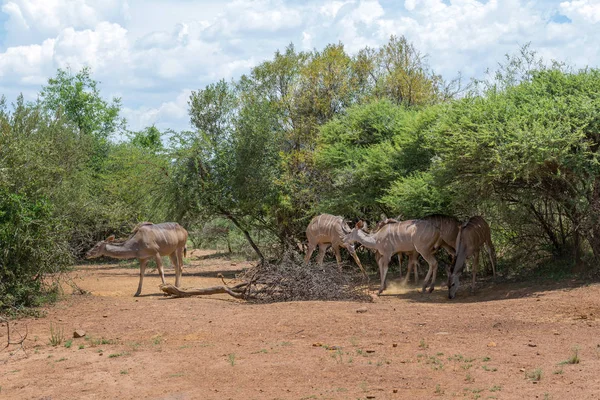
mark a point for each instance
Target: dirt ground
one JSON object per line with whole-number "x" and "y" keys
{"x": 507, "y": 341}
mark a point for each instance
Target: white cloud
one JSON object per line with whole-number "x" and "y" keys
{"x": 28, "y": 64}
{"x": 331, "y": 8}
{"x": 105, "y": 46}
{"x": 306, "y": 41}
{"x": 152, "y": 51}
{"x": 167, "y": 115}
{"x": 33, "y": 20}
{"x": 582, "y": 10}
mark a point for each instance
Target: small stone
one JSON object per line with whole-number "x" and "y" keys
{"x": 531, "y": 344}
{"x": 78, "y": 333}
{"x": 317, "y": 344}
{"x": 105, "y": 316}
{"x": 491, "y": 344}
{"x": 362, "y": 310}
{"x": 395, "y": 390}
{"x": 394, "y": 344}
{"x": 521, "y": 369}
{"x": 370, "y": 351}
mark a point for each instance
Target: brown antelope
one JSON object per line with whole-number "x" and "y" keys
{"x": 472, "y": 235}
{"x": 149, "y": 241}
{"x": 448, "y": 227}
{"x": 324, "y": 230}
{"x": 412, "y": 237}
{"x": 412, "y": 258}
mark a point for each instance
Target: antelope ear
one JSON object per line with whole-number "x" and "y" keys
{"x": 110, "y": 238}
{"x": 360, "y": 224}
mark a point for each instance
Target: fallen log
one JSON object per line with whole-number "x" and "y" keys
{"x": 177, "y": 292}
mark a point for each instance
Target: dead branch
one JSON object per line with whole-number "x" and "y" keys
{"x": 288, "y": 279}
{"x": 18, "y": 342}
{"x": 176, "y": 292}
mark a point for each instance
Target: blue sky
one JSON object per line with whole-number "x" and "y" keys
{"x": 152, "y": 53}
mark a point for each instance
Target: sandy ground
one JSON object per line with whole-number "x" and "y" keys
{"x": 507, "y": 341}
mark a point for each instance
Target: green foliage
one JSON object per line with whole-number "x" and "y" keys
{"x": 64, "y": 185}
{"x": 369, "y": 150}
{"x": 78, "y": 97}
{"x": 530, "y": 150}
{"x": 57, "y": 335}
{"x": 32, "y": 247}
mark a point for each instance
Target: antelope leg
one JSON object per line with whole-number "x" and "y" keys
{"x": 142, "y": 273}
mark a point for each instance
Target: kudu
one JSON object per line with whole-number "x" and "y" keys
{"x": 448, "y": 227}
{"x": 472, "y": 235}
{"x": 148, "y": 241}
{"x": 412, "y": 237}
{"x": 412, "y": 257}
{"x": 324, "y": 230}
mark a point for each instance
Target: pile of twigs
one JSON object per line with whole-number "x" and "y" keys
{"x": 289, "y": 279}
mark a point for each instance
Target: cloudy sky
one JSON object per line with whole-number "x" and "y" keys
{"x": 152, "y": 53}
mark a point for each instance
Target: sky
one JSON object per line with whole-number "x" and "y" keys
{"x": 153, "y": 53}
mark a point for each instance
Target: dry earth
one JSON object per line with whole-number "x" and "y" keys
{"x": 495, "y": 344}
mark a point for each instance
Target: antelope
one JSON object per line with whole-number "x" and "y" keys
{"x": 472, "y": 235}
{"x": 448, "y": 227}
{"x": 412, "y": 237}
{"x": 324, "y": 230}
{"x": 148, "y": 241}
{"x": 412, "y": 258}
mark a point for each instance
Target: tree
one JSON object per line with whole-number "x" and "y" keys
{"x": 78, "y": 97}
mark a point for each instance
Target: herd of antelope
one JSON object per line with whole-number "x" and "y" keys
{"x": 390, "y": 237}
{"x": 412, "y": 237}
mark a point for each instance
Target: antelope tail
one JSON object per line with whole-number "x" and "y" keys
{"x": 185, "y": 251}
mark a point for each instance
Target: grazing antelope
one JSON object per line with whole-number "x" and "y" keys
{"x": 448, "y": 227}
{"x": 412, "y": 237}
{"x": 472, "y": 235}
{"x": 149, "y": 241}
{"x": 324, "y": 230}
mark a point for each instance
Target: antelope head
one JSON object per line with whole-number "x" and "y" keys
{"x": 352, "y": 237}
{"x": 98, "y": 249}
{"x": 453, "y": 286}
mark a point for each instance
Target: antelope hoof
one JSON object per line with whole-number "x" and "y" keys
{"x": 431, "y": 289}
{"x": 137, "y": 294}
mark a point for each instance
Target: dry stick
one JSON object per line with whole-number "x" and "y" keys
{"x": 176, "y": 292}
{"x": 8, "y": 342}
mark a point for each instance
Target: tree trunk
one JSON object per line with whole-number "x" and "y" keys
{"x": 548, "y": 229}
{"x": 245, "y": 232}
